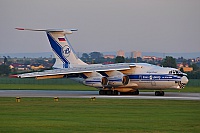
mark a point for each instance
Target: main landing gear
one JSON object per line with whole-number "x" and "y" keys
{"x": 108, "y": 92}
{"x": 115, "y": 92}
{"x": 159, "y": 93}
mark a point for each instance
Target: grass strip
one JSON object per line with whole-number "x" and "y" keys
{"x": 101, "y": 115}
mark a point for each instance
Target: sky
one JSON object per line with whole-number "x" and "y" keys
{"x": 163, "y": 26}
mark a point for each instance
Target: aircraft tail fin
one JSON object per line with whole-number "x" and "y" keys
{"x": 63, "y": 51}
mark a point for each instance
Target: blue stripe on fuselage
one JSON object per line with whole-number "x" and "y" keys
{"x": 155, "y": 77}
{"x": 58, "y": 50}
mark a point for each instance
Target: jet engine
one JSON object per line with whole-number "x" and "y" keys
{"x": 98, "y": 82}
{"x": 117, "y": 78}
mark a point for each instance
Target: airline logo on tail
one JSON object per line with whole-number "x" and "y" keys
{"x": 60, "y": 51}
{"x": 66, "y": 50}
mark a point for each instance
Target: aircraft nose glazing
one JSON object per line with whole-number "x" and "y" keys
{"x": 183, "y": 82}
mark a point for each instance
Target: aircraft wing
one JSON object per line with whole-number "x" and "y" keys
{"x": 59, "y": 73}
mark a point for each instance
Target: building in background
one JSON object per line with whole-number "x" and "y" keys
{"x": 187, "y": 69}
{"x": 135, "y": 54}
{"x": 120, "y": 53}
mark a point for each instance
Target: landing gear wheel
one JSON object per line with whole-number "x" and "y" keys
{"x": 101, "y": 92}
{"x": 115, "y": 92}
{"x": 108, "y": 92}
{"x": 136, "y": 92}
{"x": 123, "y": 93}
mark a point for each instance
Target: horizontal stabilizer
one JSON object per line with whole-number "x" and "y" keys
{"x": 66, "y": 31}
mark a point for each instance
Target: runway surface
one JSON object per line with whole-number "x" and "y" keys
{"x": 89, "y": 94}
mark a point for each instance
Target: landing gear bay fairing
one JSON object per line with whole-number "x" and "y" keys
{"x": 112, "y": 79}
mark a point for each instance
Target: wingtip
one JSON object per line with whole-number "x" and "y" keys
{"x": 19, "y": 28}
{"x": 13, "y": 76}
{"x": 74, "y": 29}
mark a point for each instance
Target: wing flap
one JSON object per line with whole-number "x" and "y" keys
{"x": 50, "y": 77}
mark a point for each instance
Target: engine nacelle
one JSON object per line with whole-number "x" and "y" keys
{"x": 98, "y": 82}
{"x": 118, "y": 80}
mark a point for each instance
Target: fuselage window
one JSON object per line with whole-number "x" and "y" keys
{"x": 175, "y": 72}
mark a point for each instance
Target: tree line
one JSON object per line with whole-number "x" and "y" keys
{"x": 97, "y": 57}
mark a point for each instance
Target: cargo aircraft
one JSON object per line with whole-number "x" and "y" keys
{"x": 112, "y": 79}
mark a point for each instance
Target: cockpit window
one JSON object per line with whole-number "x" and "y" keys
{"x": 175, "y": 72}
